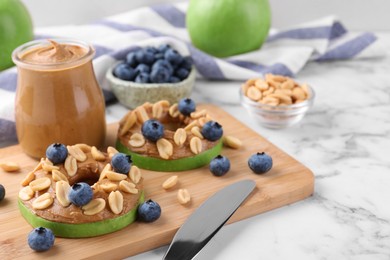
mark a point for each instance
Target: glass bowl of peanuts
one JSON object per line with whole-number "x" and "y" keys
{"x": 276, "y": 101}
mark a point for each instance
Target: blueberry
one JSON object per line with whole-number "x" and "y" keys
{"x": 260, "y": 163}
{"x": 173, "y": 79}
{"x": 41, "y": 239}
{"x": 159, "y": 75}
{"x": 142, "y": 78}
{"x": 152, "y": 50}
{"x": 131, "y": 60}
{"x": 158, "y": 56}
{"x": 164, "y": 64}
{"x": 56, "y": 153}
{"x": 186, "y": 63}
{"x": 152, "y": 130}
{"x": 149, "y": 211}
{"x": 182, "y": 73}
{"x": 144, "y": 57}
{"x": 142, "y": 68}
{"x": 2, "y": 192}
{"x": 212, "y": 131}
{"x": 173, "y": 57}
{"x": 124, "y": 71}
{"x": 186, "y": 106}
{"x": 163, "y": 48}
{"x": 219, "y": 166}
{"x": 80, "y": 194}
{"x": 121, "y": 163}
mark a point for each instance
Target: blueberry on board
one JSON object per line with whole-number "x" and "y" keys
{"x": 41, "y": 239}
{"x": 124, "y": 71}
{"x": 121, "y": 163}
{"x": 212, "y": 131}
{"x": 158, "y": 56}
{"x": 173, "y": 79}
{"x": 186, "y": 106}
{"x": 182, "y": 73}
{"x": 2, "y": 192}
{"x": 159, "y": 75}
{"x": 144, "y": 57}
{"x": 80, "y": 194}
{"x": 142, "y": 78}
{"x": 173, "y": 57}
{"x": 149, "y": 211}
{"x": 186, "y": 63}
{"x": 152, "y": 130}
{"x": 163, "y": 64}
{"x": 260, "y": 163}
{"x": 131, "y": 60}
{"x": 56, "y": 153}
{"x": 152, "y": 50}
{"x": 219, "y": 166}
{"x": 142, "y": 68}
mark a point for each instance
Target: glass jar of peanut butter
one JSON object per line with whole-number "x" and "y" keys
{"x": 58, "y": 98}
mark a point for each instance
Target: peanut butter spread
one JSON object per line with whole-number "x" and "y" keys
{"x": 88, "y": 171}
{"x": 171, "y": 124}
{"x": 54, "y": 53}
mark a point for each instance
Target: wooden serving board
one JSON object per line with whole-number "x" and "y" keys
{"x": 287, "y": 182}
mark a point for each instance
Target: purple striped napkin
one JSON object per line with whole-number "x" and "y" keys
{"x": 286, "y": 51}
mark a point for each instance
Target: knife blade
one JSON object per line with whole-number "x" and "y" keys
{"x": 207, "y": 220}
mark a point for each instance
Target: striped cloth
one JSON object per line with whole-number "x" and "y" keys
{"x": 285, "y": 52}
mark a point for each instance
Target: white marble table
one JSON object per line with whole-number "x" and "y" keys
{"x": 344, "y": 141}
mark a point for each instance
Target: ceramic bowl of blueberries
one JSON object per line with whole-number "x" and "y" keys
{"x": 150, "y": 74}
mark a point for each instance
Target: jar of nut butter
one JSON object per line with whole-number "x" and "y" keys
{"x": 58, "y": 98}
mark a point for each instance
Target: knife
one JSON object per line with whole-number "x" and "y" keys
{"x": 207, "y": 220}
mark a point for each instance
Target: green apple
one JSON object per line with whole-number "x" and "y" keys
{"x": 183, "y": 164}
{"x": 228, "y": 27}
{"x": 15, "y": 29}
{"x": 84, "y": 229}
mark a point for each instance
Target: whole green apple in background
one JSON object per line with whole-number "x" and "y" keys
{"x": 228, "y": 27}
{"x": 15, "y": 29}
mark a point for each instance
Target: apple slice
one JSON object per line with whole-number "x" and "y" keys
{"x": 182, "y": 164}
{"x": 84, "y": 229}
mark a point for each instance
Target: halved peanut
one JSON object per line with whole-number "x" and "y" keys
{"x": 77, "y": 153}
{"x": 305, "y": 89}
{"x": 298, "y": 93}
{"x": 174, "y": 110}
{"x": 288, "y": 84}
{"x": 165, "y": 148}
{"x": 84, "y": 147}
{"x": 164, "y": 103}
{"x": 283, "y": 98}
{"x": 183, "y": 196}
{"x": 196, "y": 131}
{"x": 26, "y": 193}
{"x": 103, "y": 173}
{"x": 10, "y": 166}
{"x": 29, "y": 178}
{"x": 137, "y": 140}
{"x": 62, "y": 191}
{"x": 111, "y": 151}
{"x": 157, "y": 110}
{"x": 114, "y": 176}
{"x": 254, "y": 93}
{"x": 97, "y": 155}
{"x": 203, "y": 120}
{"x": 261, "y": 84}
{"x": 180, "y": 137}
{"x": 270, "y": 101}
{"x": 270, "y": 90}
{"x": 70, "y": 165}
{"x": 115, "y": 200}
{"x": 58, "y": 176}
{"x": 135, "y": 174}
{"x": 42, "y": 202}
{"x": 48, "y": 166}
{"x": 130, "y": 121}
{"x": 196, "y": 145}
{"x": 170, "y": 182}
{"x": 128, "y": 187}
{"x": 94, "y": 207}
{"x": 232, "y": 142}
{"x": 142, "y": 116}
{"x": 109, "y": 186}
{"x": 40, "y": 184}
{"x": 198, "y": 114}
{"x": 191, "y": 125}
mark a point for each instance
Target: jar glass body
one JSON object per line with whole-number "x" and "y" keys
{"x": 58, "y": 103}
